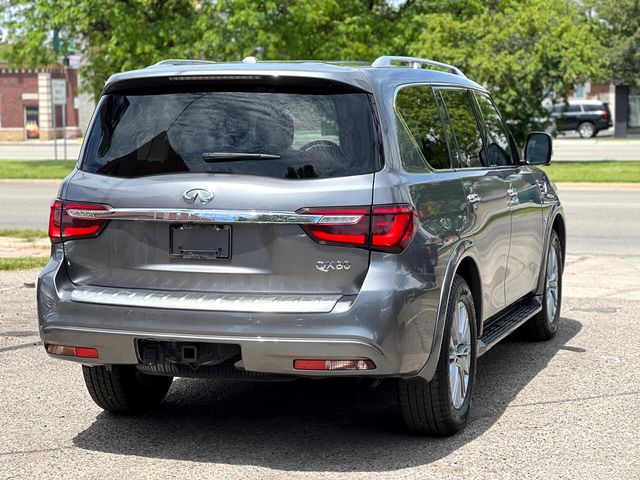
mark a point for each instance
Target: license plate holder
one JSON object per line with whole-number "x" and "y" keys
{"x": 200, "y": 242}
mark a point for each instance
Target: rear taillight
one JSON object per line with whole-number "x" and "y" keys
{"x": 74, "y": 220}
{"x": 605, "y": 115}
{"x": 387, "y": 228}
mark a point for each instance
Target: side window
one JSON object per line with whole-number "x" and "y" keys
{"x": 420, "y": 131}
{"x": 573, "y": 108}
{"x": 498, "y": 148}
{"x": 465, "y": 128}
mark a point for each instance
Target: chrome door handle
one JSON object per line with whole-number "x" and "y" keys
{"x": 474, "y": 198}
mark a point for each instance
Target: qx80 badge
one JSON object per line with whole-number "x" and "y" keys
{"x": 329, "y": 265}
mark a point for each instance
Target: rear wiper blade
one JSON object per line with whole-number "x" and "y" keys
{"x": 232, "y": 156}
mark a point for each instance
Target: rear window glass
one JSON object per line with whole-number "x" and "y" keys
{"x": 266, "y": 133}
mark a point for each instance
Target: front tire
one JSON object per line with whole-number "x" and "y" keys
{"x": 545, "y": 324}
{"x": 440, "y": 407}
{"x": 124, "y": 389}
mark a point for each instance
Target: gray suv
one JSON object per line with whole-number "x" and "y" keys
{"x": 259, "y": 220}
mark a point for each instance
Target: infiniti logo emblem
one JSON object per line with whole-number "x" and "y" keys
{"x": 197, "y": 196}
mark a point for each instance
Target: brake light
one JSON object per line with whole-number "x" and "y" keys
{"x": 387, "y": 228}
{"x": 73, "y": 220}
{"x": 605, "y": 115}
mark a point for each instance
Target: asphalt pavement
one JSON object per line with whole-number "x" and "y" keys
{"x": 566, "y": 408}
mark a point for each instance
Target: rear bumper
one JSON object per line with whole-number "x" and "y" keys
{"x": 267, "y": 355}
{"x": 391, "y": 321}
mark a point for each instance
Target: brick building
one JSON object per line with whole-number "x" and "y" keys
{"x": 26, "y": 109}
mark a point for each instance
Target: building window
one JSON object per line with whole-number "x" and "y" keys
{"x": 31, "y": 125}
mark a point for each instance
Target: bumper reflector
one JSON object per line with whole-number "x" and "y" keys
{"x": 67, "y": 351}
{"x": 334, "y": 364}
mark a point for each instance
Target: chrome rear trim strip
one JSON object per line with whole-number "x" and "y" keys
{"x": 219, "y": 302}
{"x": 210, "y": 216}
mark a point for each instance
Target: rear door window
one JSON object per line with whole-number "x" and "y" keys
{"x": 498, "y": 149}
{"x": 280, "y": 134}
{"x": 593, "y": 107}
{"x": 465, "y": 128}
{"x": 420, "y": 130}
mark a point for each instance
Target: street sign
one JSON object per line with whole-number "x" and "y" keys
{"x": 59, "y": 91}
{"x": 74, "y": 61}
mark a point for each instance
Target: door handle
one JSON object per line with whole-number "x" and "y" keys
{"x": 474, "y": 198}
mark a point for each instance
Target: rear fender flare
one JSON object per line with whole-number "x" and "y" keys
{"x": 463, "y": 249}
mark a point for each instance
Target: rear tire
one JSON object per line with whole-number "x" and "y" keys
{"x": 124, "y": 389}
{"x": 545, "y": 324}
{"x": 440, "y": 407}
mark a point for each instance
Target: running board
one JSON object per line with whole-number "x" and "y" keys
{"x": 506, "y": 324}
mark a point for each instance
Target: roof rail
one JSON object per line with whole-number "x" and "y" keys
{"x": 414, "y": 62}
{"x": 179, "y": 61}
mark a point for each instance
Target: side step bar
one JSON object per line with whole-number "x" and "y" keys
{"x": 506, "y": 324}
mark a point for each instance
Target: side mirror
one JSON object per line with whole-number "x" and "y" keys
{"x": 537, "y": 150}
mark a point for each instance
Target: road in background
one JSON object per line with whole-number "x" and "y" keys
{"x": 595, "y": 149}
{"x": 32, "y": 150}
{"x": 602, "y": 221}
{"x": 564, "y": 149}
{"x": 26, "y": 204}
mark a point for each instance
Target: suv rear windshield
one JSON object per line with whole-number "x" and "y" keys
{"x": 269, "y": 133}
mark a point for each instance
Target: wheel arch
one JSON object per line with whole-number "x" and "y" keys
{"x": 461, "y": 261}
{"x": 468, "y": 269}
{"x": 559, "y": 227}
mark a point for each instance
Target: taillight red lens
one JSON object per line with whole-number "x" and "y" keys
{"x": 340, "y": 226}
{"x": 387, "y": 228}
{"x": 605, "y": 115}
{"x": 73, "y": 220}
{"x": 392, "y": 227}
{"x": 55, "y": 213}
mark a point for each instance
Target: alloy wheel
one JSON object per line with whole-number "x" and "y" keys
{"x": 552, "y": 285}
{"x": 459, "y": 355}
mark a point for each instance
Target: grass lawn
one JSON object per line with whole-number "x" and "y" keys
{"x": 36, "y": 169}
{"x": 24, "y": 234}
{"x": 597, "y": 172}
{"x": 22, "y": 263}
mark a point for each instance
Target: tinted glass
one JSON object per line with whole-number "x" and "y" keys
{"x": 465, "y": 127}
{"x": 593, "y": 108}
{"x": 498, "y": 148}
{"x": 305, "y": 135}
{"x": 572, "y": 108}
{"x": 420, "y": 122}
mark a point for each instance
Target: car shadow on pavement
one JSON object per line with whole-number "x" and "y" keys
{"x": 308, "y": 425}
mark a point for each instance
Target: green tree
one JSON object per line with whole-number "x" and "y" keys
{"x": 111, "y": 36}
{"x": 522, "y": 51}
{"x": 620, "y": 21}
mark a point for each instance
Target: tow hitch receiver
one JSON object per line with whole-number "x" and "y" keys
{"x": 195, "y": 355}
